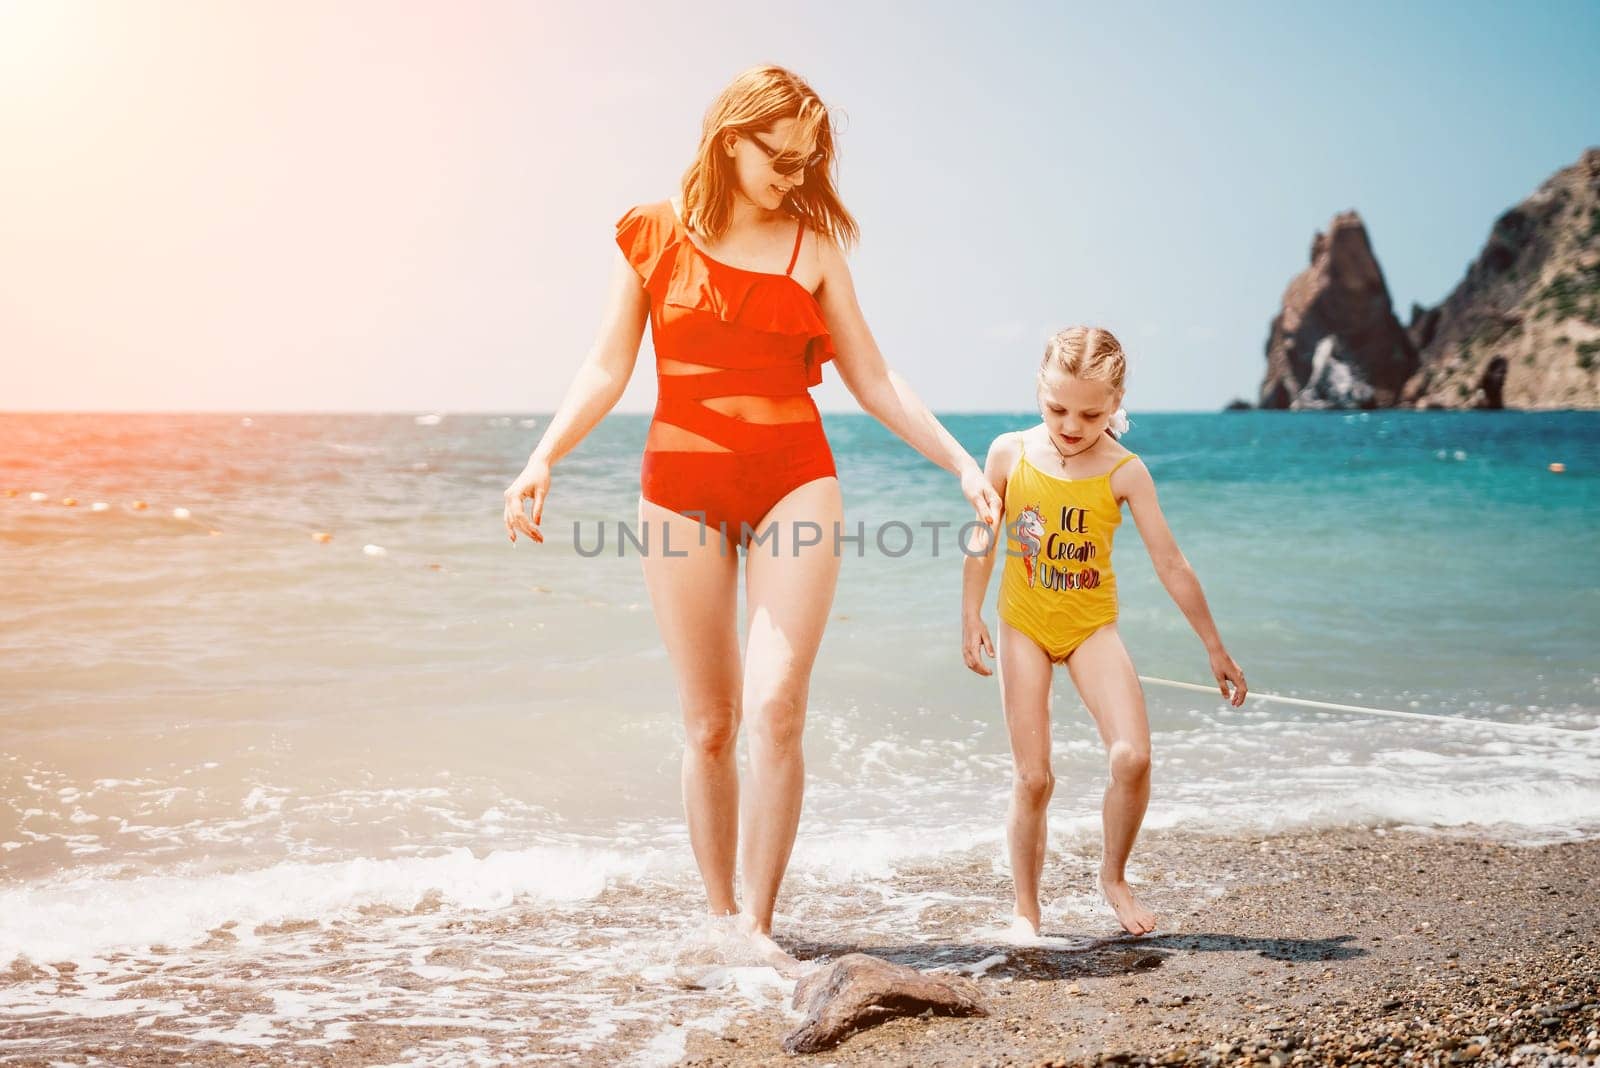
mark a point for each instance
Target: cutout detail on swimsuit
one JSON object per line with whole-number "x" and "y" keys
{"x": 668, "y": 366}
{"x": 766, "y": 410}
{"x": 666, "y": 437}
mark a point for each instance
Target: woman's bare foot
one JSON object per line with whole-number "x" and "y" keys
{"x": 1134, "y": 917}
{"x": 766, "y": 950}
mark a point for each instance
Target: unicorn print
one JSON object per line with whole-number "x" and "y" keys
{"x": 1030, "y": 529}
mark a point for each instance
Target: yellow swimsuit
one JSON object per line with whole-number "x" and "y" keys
{"x": 1057, "y": 586}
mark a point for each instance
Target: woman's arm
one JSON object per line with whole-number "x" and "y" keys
{"x": 977, "y": 567}
{"x": 606, "y": 369}
{"x": 882, "y": 393}
{"x": 1134, "y": 482}
{"x": 594, "y": 391}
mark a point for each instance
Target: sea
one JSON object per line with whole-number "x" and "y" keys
{"x": 295, "y": 743}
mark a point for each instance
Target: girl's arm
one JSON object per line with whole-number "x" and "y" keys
{"x": 1133, "y": 482}
{"x": 976, "y": 569}
{"x": 882, "y": 393}
{"x": 594, "y": 391}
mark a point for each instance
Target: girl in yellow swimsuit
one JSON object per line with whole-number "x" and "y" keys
{"x": 1064, "y": 482}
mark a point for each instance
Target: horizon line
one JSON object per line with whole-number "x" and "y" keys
{"x": 512, "y": 413}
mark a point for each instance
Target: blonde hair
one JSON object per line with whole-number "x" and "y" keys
{"x": 1087, "y": 352}
{"x": 752, "y": 102}
{"x": 1093, "y": 354}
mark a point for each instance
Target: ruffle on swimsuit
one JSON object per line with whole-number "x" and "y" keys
{"x": 677, "y": 274}
{"x": 749, "y": 334}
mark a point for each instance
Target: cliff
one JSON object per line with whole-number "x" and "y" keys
{"x": 1526, "y": 317}
{"x": 1521, "y": 329}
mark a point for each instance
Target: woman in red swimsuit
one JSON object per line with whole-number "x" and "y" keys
{"x": 745, "y": 286}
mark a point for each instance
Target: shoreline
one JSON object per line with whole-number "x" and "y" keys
{"x": 1335, "y": 946}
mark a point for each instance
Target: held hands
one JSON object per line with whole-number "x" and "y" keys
{"x": 1228, "y": 673}
{"x": 975, "y": 642}
{"x": 533, "y": 482}
{"x": 980, "y": 492}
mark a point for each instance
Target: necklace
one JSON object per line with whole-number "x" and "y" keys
{"x": 1064, "y": 456}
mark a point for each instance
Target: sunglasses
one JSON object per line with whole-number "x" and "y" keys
{"x": 787, "y": 163}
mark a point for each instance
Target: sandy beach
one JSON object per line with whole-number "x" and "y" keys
{"x": 1325, "y": 948}
{"x": 1330, "y": 947}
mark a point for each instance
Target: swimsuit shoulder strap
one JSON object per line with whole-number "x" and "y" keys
{"x": 1021, "y": 455}
{"x": 1119, "y": 463}
{"x": 799, "y": 236}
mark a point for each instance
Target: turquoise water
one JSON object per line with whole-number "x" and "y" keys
{"x": 212, "y": 717}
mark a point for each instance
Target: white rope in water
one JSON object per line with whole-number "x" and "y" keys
{"x": 1330, "y": 706}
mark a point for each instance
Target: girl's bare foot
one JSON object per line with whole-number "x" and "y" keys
{"x": 1023, "y": 927}
{"x": 1134, "y": 917}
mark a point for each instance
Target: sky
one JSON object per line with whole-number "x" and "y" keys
{"x": 398, "y": 206}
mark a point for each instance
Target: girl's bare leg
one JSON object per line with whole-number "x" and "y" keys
{"x": 1025, "y": 673}
{"x": 788, "y": 598}
{"x": 695, "y": 599}
{"x": 1109, "y": 686}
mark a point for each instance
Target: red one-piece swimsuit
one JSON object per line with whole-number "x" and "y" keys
{"x": 747, "y": 334}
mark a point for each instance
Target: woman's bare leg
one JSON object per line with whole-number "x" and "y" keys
{"x": 695, "y": 599}
{"x": 1105, "y": 677}
{"x": 788, "y": 598}
{"x": 1025, "y": 673}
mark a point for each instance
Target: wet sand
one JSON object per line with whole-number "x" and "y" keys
{"x": 1326, "y": 948}
{"x": 1350, "y": 946}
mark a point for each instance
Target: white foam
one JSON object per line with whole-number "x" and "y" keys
{"x": 57, "y": 920}
{"x": 742, "y": 988}
{"x": 248, "y": 1031}
{"x": 1020, "y": 933}
{"x": 258, "y": 800}
{"x": 754, "y": 983}
{"x": 977, "y": 969}
{"x": 872, "y": 852}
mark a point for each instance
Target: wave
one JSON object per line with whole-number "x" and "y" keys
{"x": 84, "y": 915}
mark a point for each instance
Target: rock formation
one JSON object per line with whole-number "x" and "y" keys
{"x": 1522, "y": 329}
{"x": 1336, "y": 343}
